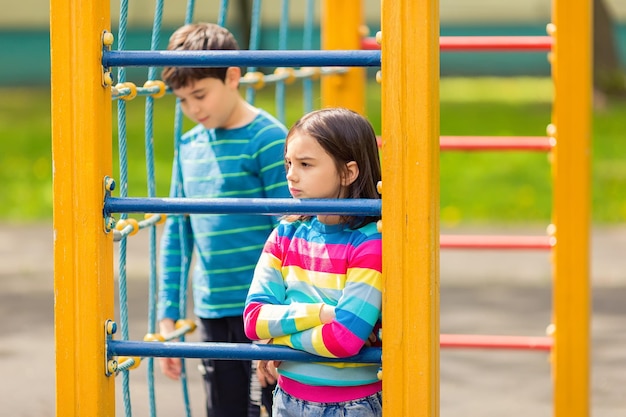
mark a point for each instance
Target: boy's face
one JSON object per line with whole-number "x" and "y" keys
{"x": 211, "y": 102}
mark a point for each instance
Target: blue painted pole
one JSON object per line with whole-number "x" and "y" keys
{"x": 266, "y": 206}
{"x": 228, "y": 351}
{"x": 241, "y": 58}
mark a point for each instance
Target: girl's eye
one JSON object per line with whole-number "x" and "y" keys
{"x": 199, "y": 97}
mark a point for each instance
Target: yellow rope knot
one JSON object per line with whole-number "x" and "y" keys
{"x": 288, "y": 73}
{"x": 255, "y": 79}
{"x": 131, "y": 86}
{"x": 156, "y": 83}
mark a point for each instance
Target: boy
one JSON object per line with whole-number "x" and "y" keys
{"x": 236, "y": 150}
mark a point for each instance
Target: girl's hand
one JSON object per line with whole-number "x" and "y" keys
{"x": 327, "y": 313}
{"x": 266, "y": 372}
{"x": 371, "y": 339}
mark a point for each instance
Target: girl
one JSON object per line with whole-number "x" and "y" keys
{"x": 317, "y": 285}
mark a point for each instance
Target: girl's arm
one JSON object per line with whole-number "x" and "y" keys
{"x": 266, "y": 315}
{"x": 357, "y": 311}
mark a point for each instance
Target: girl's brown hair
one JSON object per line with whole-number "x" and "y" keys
{"x": 346, "y": 136}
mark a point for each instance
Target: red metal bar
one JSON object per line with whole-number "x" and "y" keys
{"x": 492, "y": 143}
{"x": 495, "y": 143}
{"x": 496, "y": 43}
{"x": 483, "y": 43}
{"x": 495, "y": 242}
{"x": 495, "y": 342}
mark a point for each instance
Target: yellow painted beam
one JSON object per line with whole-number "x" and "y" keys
{"x": 83, "y": 253}
{"x": 571, "y": 118}
{"x": 342, "y": 30}
{"x": 410, "y": 215}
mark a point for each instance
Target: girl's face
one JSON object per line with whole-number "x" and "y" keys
{"x": 210, "y": 102}
{"x": 311, "y": 171}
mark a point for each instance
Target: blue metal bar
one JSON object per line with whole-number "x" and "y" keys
{"x": 241, "y": 58}
{"x": 228, "y": 351}
{"x": 267, "y": 206}
{"x": 255, "y": 27}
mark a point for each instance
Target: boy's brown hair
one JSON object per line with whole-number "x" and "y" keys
{"x": 197, "y": 37}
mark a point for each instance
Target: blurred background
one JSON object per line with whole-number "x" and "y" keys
{"x": 24, "y": 32}
{"x": 482, "y": 93}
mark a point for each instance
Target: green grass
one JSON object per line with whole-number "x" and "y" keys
{"x": 476, "y": 187}
{"x": 25, "y": 163}
{"x": 480, "y": 186}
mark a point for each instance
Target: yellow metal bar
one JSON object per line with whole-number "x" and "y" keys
{"x": 83, "y": 253}
{"x": 410, "y": 192}
{"x": 342, "y": 23}
{"x": 571, "y": 118}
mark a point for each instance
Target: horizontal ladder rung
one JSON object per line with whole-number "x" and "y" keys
{"x": 496, "y": 242}
{"x": 495, "y": 342}
{"x": 483, "y": 43}
{"x": 495, "y": 143}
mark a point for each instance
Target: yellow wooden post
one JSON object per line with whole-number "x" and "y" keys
{"x": 572, "y": 74}
{"x": 342, "y": 29}
{"x": 83, "y": 253}
{"x": 410, "y": 192}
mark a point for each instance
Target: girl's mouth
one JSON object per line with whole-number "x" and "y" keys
{"x": 294, "y": 191}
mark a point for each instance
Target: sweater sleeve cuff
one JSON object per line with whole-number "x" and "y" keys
{"x": 311, "y": 317}
{"x": 169, "y": 312}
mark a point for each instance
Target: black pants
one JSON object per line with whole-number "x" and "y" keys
{"x": 227, "y": 382}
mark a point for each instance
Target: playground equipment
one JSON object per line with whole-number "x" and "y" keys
{"x": 81, "y": 106}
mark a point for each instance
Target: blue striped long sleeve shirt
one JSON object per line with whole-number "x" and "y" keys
{"x": 245, "y": 162}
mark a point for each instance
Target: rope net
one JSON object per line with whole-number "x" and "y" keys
{"x": 153, "y": 88}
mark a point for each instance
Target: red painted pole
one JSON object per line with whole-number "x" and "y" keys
{"x": 483, "y": 43}
{"x": 495, "y": 242}
{"x": 495, "y": 342}
{"x": 495, "y": 143}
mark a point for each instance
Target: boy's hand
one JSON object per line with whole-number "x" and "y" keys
{"x": 171, "y": 367}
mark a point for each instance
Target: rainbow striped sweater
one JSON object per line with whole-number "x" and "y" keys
{"x": 304, "y": 265}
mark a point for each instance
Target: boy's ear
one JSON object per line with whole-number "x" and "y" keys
{"x": 351, "y": 174}
{"x": 233, "y": 75}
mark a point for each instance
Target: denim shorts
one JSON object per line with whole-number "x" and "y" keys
{"x": 286, "y": 405}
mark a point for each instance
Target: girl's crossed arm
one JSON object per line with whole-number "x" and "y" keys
{"x": 317, "y": 328}
{"x": 357, "y": 312}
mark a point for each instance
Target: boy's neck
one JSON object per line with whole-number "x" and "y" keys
{"x": 243, "y": 114}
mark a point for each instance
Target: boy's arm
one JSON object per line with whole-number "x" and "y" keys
{"x": 270, "y": 161}
{"x": 172, "y": 258}
{"x": 172, "y": 263}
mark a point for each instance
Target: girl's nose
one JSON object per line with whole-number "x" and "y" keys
{"x": 291, "y": 176}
